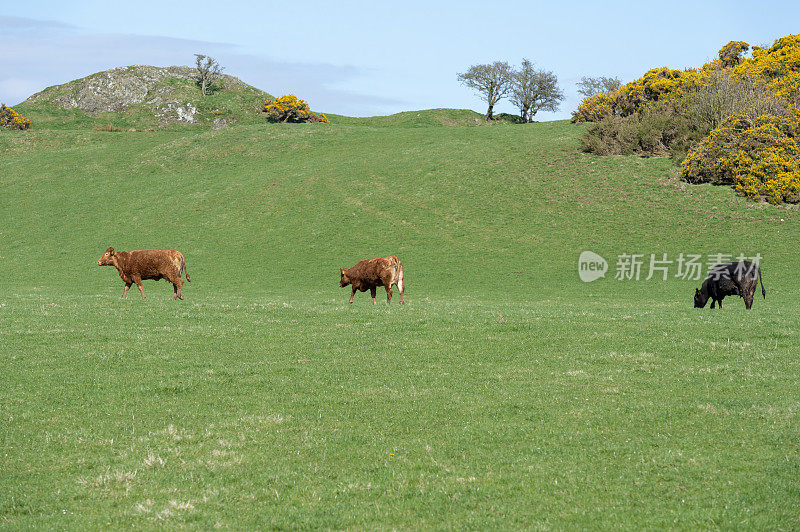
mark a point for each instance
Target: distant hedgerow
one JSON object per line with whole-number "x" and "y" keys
{"x": 291, "y": 109}
{"x": 12, "y": 120}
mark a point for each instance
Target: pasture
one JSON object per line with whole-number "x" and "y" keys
{"x": 505, "y": 393}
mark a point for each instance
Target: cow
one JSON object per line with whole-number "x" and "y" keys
{"x": 728, "y": 279}
{"x": 136, "y": 266}
{"x": 372, "y": 273}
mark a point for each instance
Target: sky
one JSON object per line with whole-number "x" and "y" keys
{"x": 361, "y": 58}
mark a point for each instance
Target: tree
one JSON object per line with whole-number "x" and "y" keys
{"x": 731, "y": 54}
{"x": 590, "y": 86}
{"x": 208, "y": 72}
{"x": 725, "y": 94}
{"x": 534, "y": 90}
{"x": 493, "y": 81}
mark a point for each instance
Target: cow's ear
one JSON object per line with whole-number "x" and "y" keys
{"x": 696, "y": 290}
{"x": 341, "y": 271}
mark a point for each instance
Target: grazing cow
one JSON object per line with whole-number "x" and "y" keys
{"x": 372, "y": 273}
{"x": 728, "y": 279}
{"x": 135, "y": 266}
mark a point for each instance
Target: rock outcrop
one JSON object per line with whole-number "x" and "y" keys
{"x": 169, "y": 93}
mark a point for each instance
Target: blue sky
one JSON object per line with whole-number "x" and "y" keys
{"x": 374, "y": 58}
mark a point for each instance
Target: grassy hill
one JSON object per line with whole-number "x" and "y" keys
{"x": 423, "y": 118}
{"x": 506, "y": 393}
{"x": 144, "y": 97}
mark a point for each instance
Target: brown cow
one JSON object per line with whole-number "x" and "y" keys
{"x": 372, "y": 273}
{"x": 135, "y": 266}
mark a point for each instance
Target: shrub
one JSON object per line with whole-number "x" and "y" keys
{"x": 290, "y": 109}
{"x": 507, "y": 117}
{"x": 778, "y": 66}
{"x": 612, "y": 136}
{"x": 735, "y": 121}
{"x": 12, "y": 120}
{"x": 594, "y": 108}
{"x": 693, "y": 101}
{"x": 724, "y": 94}
{"x": 759, "y": 157}
{"x": 657, "y": 85}
{"x": 731, "y": 53}
{"x": 656, "y": 131}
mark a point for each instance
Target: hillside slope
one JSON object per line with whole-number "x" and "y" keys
{"x": 505, "y": 393}
{"x": 142, "y": 96}
{"x": 471, "y": 196}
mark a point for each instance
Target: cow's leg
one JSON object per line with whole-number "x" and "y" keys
{"x": 401, "y": 288}
{"x": 138, "y": 281}
{"x": 177, "y": 285}
{"x": 713, "y": 301}
{"x": 372, "y": 293}
{"x": 351, "y": 295}
{"x": 388, "y": 293}
{"x": 125, "y": 292}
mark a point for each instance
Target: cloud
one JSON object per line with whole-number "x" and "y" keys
{"x": 322, "y": 85}
{"x": 37, "y": 54}
{"x": 21, "y": 25}
{"x": 45, "y": 53}
{"x": 18, "y": 86}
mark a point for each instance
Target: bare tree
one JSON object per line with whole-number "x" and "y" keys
{"x": 493, "y": 81}
{"x": 534, "y": 90}
{"x": 726, "y": 94}
{"x": 208, "y": 72}
{"x": 590, "y": 86}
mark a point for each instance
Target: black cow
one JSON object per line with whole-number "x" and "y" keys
{"x": 728, "y": 279}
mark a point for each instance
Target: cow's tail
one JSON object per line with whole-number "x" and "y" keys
{"x": 183, "y": 269}
{"x": 398, "y": 274}
{"x": 763, "y": 292}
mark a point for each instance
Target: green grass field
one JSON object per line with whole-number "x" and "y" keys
{"x": 506, "y": 393}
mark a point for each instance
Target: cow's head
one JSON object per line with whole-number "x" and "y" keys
{"x": 107, "y": 259}
{"x": 700, "y": 298}
{"x": 345, "y": 280}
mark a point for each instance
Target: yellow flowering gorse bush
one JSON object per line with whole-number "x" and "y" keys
{"x": 759, "y": 157}
{"x": 594, "y": 108}
{"x": 778, "y": 66}
{"x": 291, "y": 109}
{"x": 756, "y": 150}
{"x": 658, "y": 84}
{"x": 12, "y": 120}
